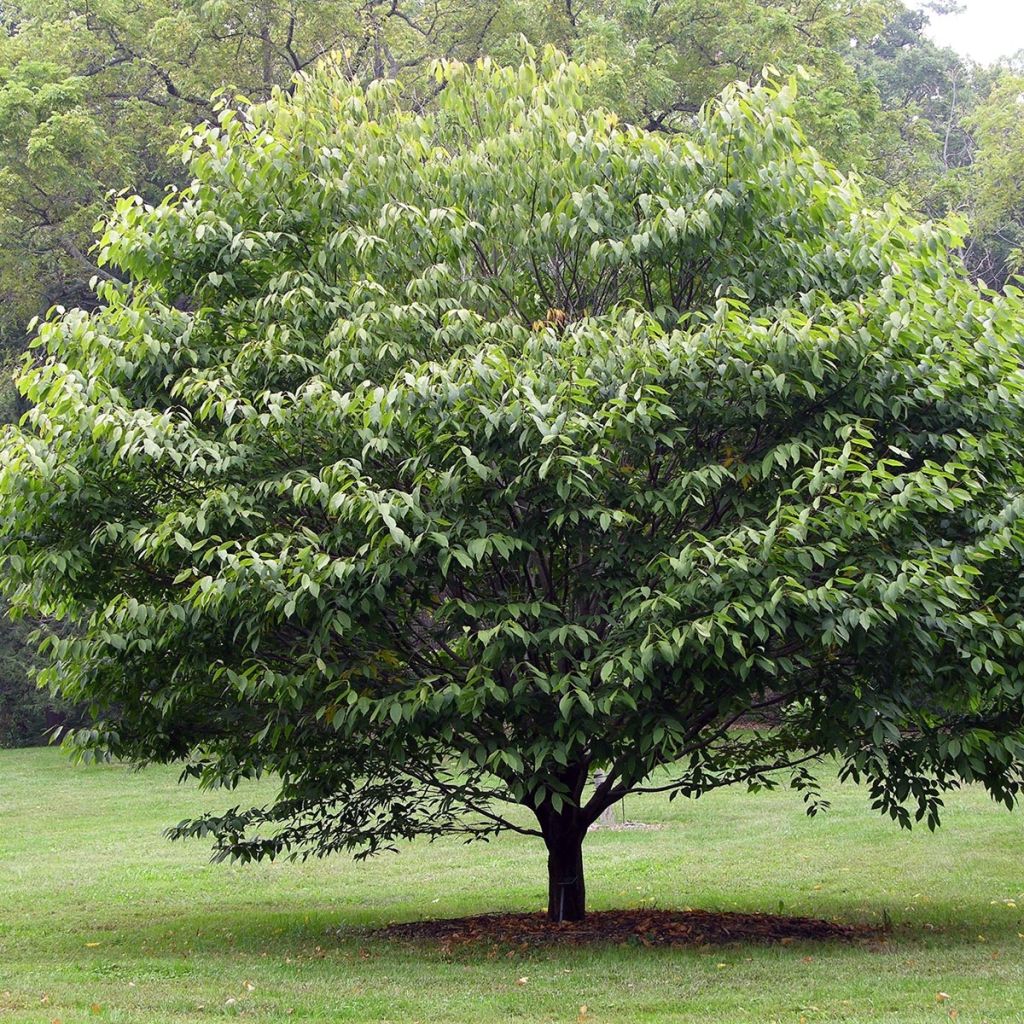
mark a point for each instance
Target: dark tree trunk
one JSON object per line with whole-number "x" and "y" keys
{"x": 567, "y": 898}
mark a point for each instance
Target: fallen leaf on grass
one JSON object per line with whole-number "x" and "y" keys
{"x": 941, "y": 997}
{"x": 582, "y": 1015}
{"x": 91, "y": 945}
{"x": 522, "y": 981}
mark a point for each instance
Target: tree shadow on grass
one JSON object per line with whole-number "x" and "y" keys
{"x": 300, "y": 936}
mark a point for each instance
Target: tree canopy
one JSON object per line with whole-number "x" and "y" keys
{"x": 91, "y": 96}
{"x": 430, "y": 461}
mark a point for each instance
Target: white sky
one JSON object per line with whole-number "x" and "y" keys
{"x": 985, "y": 31}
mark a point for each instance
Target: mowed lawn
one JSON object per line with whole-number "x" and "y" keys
{"x": 101, "y": 919}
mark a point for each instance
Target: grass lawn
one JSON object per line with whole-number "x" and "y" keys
{"x": 101, "y": 919}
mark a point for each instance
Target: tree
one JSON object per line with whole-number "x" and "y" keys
{"x": 22, "y": 708}
{"x": 924, "y": 91}
{"x": 671, "y": 56}
{"x": 431, "y": 461}
{"x": 939, "y": 140}
{"x": 996, "y": 179}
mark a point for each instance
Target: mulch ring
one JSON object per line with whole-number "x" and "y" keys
{"x": 635, "y": 927}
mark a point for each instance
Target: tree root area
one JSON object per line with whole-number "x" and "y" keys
{"x": 634, "y": 927}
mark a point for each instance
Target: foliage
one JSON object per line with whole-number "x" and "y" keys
{"x": 670, "y": 57}
{"x": 433, "y": 460}
{"x": 932, "y": 143}
{"x": 119, "y": 79}
{"x": 997, "y": 181}
{"x": 91, "y": 99}
{"x": 924, "y": 90}
{"x": 29, "y": 715}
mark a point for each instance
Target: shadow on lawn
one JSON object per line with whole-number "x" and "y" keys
{"x": 292, "y": 935}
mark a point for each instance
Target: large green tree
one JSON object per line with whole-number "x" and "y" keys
{"x": 430, "y": 462}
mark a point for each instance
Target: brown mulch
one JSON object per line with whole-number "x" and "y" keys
{"x": 639, "y": 927}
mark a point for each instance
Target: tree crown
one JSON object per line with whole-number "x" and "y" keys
{"x": 432, "y": 460}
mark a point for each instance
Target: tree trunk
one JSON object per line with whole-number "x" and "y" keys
{"x": 567, "y": 896}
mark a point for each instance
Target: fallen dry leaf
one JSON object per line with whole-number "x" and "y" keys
{"x": 941, "y": 997}
{"x": 582, "y": 1015}
{"x": 91, "y": 945}
{"x": 522, "y": 981}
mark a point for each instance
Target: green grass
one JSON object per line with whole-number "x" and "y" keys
{"x": 101, "y": 919}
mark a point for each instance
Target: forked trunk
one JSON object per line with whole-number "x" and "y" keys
{"x": 566, "y": 892}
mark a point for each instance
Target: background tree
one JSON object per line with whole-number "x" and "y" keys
{"x": 23, "y": 708}
{"x": 996, "y": 179}
{"x": 671, "y": 57}
{"x": 924, "y": 93}
{"x": 431, "y": 461}
{"x": 92, "y": 99}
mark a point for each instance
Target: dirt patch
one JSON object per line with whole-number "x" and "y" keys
{"x": 639, "y": 927}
